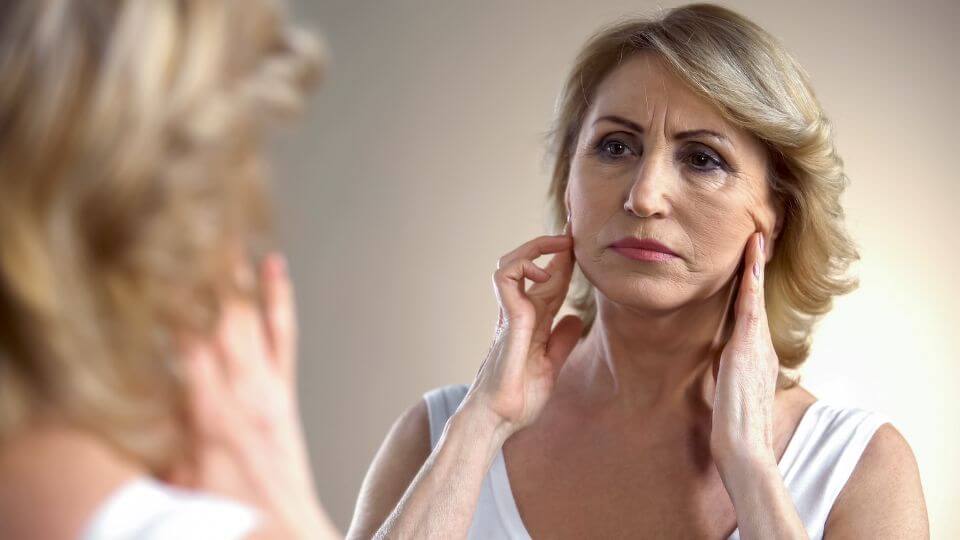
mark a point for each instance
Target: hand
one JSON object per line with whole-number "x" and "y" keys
{"x": 746, "y": 377}
{"x": 518, "y": 375}
{"x": 247, "y": 439}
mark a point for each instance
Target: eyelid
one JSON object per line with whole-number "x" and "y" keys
{"x": 706, "y": 149}
{"x": 621, "y": 137}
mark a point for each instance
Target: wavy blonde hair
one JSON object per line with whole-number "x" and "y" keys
{"x": 755, "y": 84}
{"x": 130, "y": 173}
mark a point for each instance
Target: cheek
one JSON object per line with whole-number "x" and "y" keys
{"x": 595, "y": 197}
{"x": 717, "y": 228}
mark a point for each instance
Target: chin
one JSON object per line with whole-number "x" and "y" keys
{"x": 645, "y": 293}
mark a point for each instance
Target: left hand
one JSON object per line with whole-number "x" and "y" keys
{"x": 746, "y": 377}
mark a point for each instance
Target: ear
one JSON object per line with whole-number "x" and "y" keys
{"x": 778, "y": 211}
{"x": 778, "y": 226}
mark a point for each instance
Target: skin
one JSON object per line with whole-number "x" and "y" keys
{"x": 666, "y": 417}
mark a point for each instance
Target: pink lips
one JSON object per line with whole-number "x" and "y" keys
{"x": 645, "y": 249}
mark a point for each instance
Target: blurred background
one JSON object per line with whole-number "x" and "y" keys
{"x": 422, "y": 160}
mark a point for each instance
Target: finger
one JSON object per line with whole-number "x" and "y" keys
{"x": 563, "y": 339}
{"x": 750, "y": 312}
{"x": 280, "y": 315}
{"x": 550, "y": 295}
{"x": 554, "y": 290}
{"x": 509, "y": 285}
{"x": 562, "y": 261}
{"x": 207, "y": 392}
{"x": 242, "y": 344}
{"x": 535, "y": 248}
{"x": 566, "y": 262}
{"x": 509, "y": 281}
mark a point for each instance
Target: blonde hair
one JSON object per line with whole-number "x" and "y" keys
{"x": 755, "y": 84}
{"x": 130, "y": 173}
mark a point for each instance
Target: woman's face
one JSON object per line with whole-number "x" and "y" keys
{"x": 655, "y": 161}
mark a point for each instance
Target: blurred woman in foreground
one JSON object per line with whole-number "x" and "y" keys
{"x": 132, "y": 321}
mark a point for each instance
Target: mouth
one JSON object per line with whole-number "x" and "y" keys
{"x": 643, "y": 249}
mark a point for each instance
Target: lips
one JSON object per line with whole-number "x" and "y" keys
{"x": 643, "y": 249}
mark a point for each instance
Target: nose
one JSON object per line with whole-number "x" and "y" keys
{"x": 647, "y": 197}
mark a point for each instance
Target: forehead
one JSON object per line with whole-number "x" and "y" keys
{"x": 643, "y": 89}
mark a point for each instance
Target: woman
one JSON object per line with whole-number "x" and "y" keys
{"x": 698, "y": 180}
{"x": 132, "y": 324}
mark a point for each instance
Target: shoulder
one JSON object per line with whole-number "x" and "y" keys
{"x": 43, "y": 491}
{"x": 411, "y": 430}
{"x": 403, "y": 451}
{"x": 797, "y": 399}
{"x": 883, "y": 497}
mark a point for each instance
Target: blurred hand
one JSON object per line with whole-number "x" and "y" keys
{"x": 519, "y": 373}
{"x": 247, "y": 436}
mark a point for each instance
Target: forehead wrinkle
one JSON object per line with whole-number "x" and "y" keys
{"x": 682, "y": 110}
{"x": 670, "y": 86}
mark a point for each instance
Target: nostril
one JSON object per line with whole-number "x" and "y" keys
{"x": 640, "y": 211}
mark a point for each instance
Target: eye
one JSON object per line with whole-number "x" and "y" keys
{"x": 615, "y": 148}
{"x": 612, "y": 148}
{"x": 705, "y": 160}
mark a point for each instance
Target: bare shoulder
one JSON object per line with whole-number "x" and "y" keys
{"x": 52, "y": 481}
{"x": 798, "y": 397}
{"x": 401, "y": 455}
{"x": 883, "y": 497}
{"x": 792, "y": 404}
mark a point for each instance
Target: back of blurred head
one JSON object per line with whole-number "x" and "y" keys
{"x": 130, "y": 179}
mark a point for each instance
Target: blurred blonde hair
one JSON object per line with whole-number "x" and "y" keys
{"x": 756, "y": 85}
{"x": 130, "y": 174}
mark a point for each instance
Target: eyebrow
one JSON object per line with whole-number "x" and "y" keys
{"x": 682, "y": 135}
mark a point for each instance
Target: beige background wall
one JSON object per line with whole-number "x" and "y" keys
{"x": 421, "y": 161}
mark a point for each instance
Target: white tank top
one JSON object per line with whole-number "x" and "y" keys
{"x": 145, "y": 509}
{"x": 818, "y": 460}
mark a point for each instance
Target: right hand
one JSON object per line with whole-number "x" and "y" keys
{"x": 518, "y": 375}
{"x": 247, "y": 441}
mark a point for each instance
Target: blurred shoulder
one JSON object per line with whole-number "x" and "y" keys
{"x": 53, "y": 480}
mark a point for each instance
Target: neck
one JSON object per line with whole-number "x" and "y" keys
{"x": 643, "y": 361}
